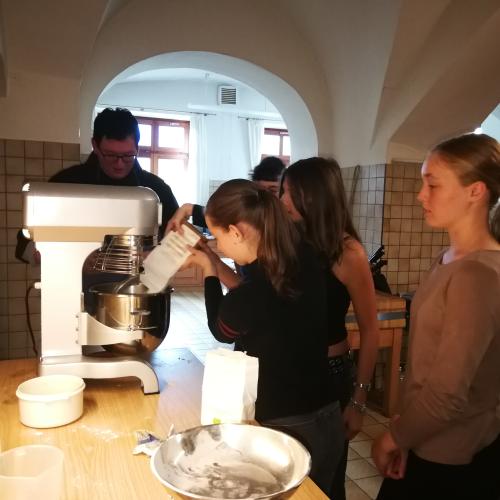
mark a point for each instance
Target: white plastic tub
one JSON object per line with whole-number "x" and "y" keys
{"x": 51, "y": 400}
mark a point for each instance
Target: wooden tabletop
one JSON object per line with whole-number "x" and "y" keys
{"x": 98, "y": 447}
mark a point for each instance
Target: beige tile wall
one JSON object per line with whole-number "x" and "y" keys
{"x": 365, "y": 191}
{"x": 410, "y": 244}
{"x": 21, "y": 161}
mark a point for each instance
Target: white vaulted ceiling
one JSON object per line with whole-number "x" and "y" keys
{"x": 381, "y": 78}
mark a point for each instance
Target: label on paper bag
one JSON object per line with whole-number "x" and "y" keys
{"x": 229, "y": 387}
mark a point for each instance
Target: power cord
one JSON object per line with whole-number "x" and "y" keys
{"x": 28, "y": 318}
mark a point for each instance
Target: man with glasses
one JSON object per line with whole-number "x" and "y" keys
{"x": 113, "y": 162}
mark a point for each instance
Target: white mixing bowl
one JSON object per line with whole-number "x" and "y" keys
{"x": 51, "y": 400}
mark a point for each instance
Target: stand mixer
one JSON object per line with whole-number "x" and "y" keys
{"x": 69, "y": 222}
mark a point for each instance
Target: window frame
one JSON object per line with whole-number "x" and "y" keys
{"x": 282, "y": 133}
{"x": 156, "y": 152}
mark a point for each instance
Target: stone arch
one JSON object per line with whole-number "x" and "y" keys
{"x": 295, "y": 113}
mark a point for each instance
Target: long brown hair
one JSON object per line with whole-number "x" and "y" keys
{"x": 240, "y": 200}
{"x": 475, "y": 157}
{"x": 318, "y": 194}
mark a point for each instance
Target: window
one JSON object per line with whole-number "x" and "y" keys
{"x": 164, "y": 151}
{"x": 276, "y": 142}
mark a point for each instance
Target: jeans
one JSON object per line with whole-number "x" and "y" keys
{"x": 322, "y": 433}
{"x": 342, "y": 377}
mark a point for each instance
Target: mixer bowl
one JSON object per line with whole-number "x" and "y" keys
{"x": 231, "y": 461}
{"x": 132, "y": 308}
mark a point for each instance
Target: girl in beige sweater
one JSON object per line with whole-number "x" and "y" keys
{"x": 445, "y": 442}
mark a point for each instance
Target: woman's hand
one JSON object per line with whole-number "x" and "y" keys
{"x": 180, "y": 216}
{"x": 353, "y": 420}
{"x": 388, "y": 457}
{"x": 201, "y": 258}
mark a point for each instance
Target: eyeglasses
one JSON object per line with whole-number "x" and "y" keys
{"x": 125, "y": 158}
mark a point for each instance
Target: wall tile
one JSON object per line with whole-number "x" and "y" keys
{"x": 14, "y": 183}
{"x": 34, "y": 166}
{"x": 14, "y": 201}
{"x": 33, "y": 149}
{"x": 14, "y": 219}
{"x": 14, "y": 148}
{"x": 51, "y": 167}
{"x": 14, "y": 166}
{"x": 52, "y": 150}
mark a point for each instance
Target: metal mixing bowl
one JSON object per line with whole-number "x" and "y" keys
{"x": 231, "y": 461}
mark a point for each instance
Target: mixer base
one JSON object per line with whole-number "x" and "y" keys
{"x": 99, "y": 367}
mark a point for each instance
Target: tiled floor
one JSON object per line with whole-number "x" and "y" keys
{"x": 188, "y": 328}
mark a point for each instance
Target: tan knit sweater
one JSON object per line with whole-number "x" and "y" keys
{"x": 450, "y": 407}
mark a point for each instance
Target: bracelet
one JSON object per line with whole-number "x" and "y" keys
{"x": 361, "y": 407}
{"x": 366, "y": 387}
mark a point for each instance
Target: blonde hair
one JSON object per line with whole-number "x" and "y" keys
{"x": 475, "y": 157}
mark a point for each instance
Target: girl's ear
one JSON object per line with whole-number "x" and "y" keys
{"x": 235, "y": 233}
{"x": 478, "y": 190}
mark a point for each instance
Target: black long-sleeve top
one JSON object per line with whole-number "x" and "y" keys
{"x": 289, "y": 336}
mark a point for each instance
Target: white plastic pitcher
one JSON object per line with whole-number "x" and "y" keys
{"x": 29, "y": 471}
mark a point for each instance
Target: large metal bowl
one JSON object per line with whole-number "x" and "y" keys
{"x": 231, "y": 461}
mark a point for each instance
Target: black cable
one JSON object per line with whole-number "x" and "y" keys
{"x": 30, "y": 328}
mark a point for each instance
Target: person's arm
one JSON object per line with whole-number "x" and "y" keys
{"x": 183, "y": 213}
{"x": 169, "y": 206}
{"x": 468, "y": 328}
{"x": 224, "y": 322}
{"x": 226, "y": 275}
{"x": 354, "y": 272}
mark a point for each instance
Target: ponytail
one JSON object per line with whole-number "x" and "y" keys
{"x": 241, "y": 200}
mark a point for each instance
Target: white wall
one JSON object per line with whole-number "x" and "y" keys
{"x": 226, "y": 130}
{"x": 40, "y": 108}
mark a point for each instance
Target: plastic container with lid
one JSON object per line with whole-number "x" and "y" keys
{"x": 51, "y": 400}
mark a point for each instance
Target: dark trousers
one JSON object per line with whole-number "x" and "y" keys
{"x": 342, "y": 377}
{"x": 322, "y": 433}
{"x": 479, "y": 480}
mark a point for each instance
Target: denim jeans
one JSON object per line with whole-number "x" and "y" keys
{"x": 322, "y": 433}
{"x": 342, "y": 377}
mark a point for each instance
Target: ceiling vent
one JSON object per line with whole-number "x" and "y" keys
{"x": 226, "y": 95}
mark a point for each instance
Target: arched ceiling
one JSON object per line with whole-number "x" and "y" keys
{"x": 404, "y": 73}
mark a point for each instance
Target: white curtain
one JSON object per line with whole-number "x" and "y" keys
{"x": 255, "y": 132}
{"x": 198, "y": 163}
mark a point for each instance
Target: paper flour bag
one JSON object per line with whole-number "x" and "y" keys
{"x": 167, "y": 258}
{"x": 229, "y": 387}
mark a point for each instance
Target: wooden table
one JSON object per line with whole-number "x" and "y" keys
{"x": 390, "y": 338}
{"x": 99, "y": 464}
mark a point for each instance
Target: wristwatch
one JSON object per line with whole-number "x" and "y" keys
{"x": 361, "y": 407}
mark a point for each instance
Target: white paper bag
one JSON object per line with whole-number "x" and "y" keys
{"x": 167, "y": 258}
{"x": 229, "y": 387}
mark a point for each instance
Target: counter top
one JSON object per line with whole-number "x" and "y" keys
{"x": 98, "y": 447}
{"x": 391, "y": 311}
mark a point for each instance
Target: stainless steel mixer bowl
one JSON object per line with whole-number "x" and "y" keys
{"x": 132, "y": 308}
{"x": 231, "y": 461}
